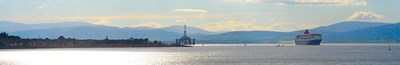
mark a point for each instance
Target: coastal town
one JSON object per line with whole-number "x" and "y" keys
{"x": 11, "y": 42}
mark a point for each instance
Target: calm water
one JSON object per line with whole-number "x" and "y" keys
{"x": 252, "y": 54}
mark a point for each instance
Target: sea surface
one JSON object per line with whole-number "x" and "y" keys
{"x": 210, "y": 54}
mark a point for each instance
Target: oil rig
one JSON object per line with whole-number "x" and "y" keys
{"x": 185, "y": 40}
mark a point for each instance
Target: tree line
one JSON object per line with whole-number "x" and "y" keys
{"x": 11, "y": 41}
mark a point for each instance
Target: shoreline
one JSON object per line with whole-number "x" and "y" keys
{"x": 21, "y": 47}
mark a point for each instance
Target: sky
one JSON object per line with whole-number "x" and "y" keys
{"x": 210, "y": 15}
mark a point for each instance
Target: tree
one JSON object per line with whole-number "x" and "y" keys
{"x": 14, "y": 38}
{"x": 3, "y": 35}
{"x": 146, "y": 40}
{"x": 61, "y": 38}
{"x": 159, "y": 42}
{"x": 155, "y": 42}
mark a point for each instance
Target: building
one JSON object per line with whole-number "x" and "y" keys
{"x": 185, "y": 40}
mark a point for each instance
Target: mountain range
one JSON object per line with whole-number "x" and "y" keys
{"x": 343, "y": 32}
{"x": 349, "y": 26}
{"x": 358, "y": 31}
{"x": 348, "y": 31}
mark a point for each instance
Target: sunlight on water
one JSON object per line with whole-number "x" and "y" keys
{"x": 210, "y": 54}
{"x": 81, "y": 58}
{"x": 292, "y": 44}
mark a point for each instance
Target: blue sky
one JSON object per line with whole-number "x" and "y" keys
{"x": 211, "y": 15}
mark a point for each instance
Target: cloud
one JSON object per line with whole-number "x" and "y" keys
{"x": 359, "y": 15}
{"x": 42, "y": 6}
{"x": 287, "y": 27}
{"x": 331, "y": 2}
{"x": 178, "y": 17}
{"x": 307, "y": 2}
{"x": 246, "y": 26}
{"x": 181, "y": 20}
{"x": 120, "y": 17}
{"x": 103, "y": 22}
{"x": 246, "y": 1}
{"x": 190, "y": 10}
{"x": 152, "y": 24}
{"x": 229, "y": 26}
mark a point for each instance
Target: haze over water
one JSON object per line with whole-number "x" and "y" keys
{"x": 326, "y": 54}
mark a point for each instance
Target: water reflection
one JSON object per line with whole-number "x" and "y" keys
{"x": 337, "y": 54}
{"x": 82, "y": 58}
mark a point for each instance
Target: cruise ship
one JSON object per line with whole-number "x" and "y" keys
{"x": 308, "y": 39}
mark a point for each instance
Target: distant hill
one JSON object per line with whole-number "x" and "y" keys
{"x": 350, "y": 31}
{"x": 144, "y": 28}
{"x": 247, "y": 36}
{"x": 385, "y": 33}
{"x": 354, "y": 31}
{"x": 82, "y": 30}
{"x": 191, "y": 30}
{"x": 12, "y": 26}
{"x": 98, "y": 32}
{"x": 349, "y": 26}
